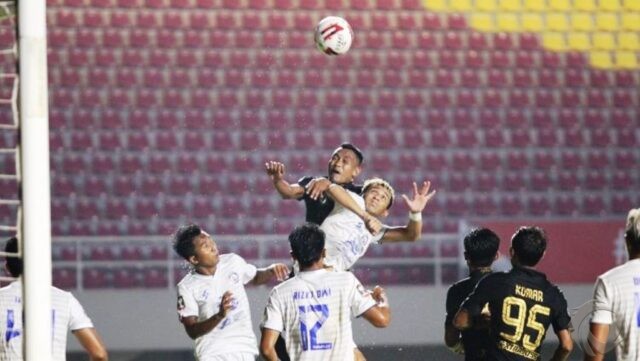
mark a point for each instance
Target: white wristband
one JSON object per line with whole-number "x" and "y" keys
{"x": 415, "y": 216}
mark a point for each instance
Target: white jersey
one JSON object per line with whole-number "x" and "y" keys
{"x": 346, "y": 236}
{"x": 616, "y": 299}
{"x": 200, "y": 295}
{"x": 66, "y": 315}
{"x": 313, "y": 312}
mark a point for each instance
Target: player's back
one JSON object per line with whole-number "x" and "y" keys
{"x": 523, "y": 303}
{"x": 66, "y": 314}
{"x": 616, "y": 301}
{"x": 474, "y": 340}
{"x": 316, "y": 309}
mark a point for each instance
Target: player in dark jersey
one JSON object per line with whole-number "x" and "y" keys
{"x": 522, "y": 303}
{"x": 344, "y": 166}
{"x": 480, "y": 250}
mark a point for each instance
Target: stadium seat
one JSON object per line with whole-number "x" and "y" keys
{"x": 64, "y": 278}
{"x": 567, "y": 180}
{"x": 154, "y": 277}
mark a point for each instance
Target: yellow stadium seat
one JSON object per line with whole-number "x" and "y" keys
{"x": 557, "y": 22}
{"x": 631, "y": 21}
{"x": 633, "y": 5}
{"x": 437, "y": 5}
{"x": 603, "y": 41}
{"x": 486, "y": 5}
{"x": 554, "y": 41}
{"x": 532, "y": 22}
{"x": 508, "y": 22}
{"x": 584, "y": 5}
{"x": 579, "y": 41}
{"x": 482, "y": 22}
{"x": 626, "y": 59}
{"x": 629, "y": 41}
{"x": 601, "y": 59}
{"x": 510, "y": 5}
{"x": 461, "y": 5}
{"x": 582, "y": 21}
{"x": 560, "y": 5}
{"x": 607, "y": 21}
{"x": 609, "y": 5}
{"x": 535, "y": 5}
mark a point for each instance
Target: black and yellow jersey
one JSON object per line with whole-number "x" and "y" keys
{"x": 523, "y": 303}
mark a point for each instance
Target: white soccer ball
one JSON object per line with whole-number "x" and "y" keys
{"x": 333, "y": 35}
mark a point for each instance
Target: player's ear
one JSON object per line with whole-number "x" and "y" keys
{"x": 193, "y": 260}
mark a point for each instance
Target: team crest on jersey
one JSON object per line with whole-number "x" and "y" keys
{"x": 181, "y": 305}
{"x": 234, "y": 278}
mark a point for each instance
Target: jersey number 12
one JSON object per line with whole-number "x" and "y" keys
{"x": 309, "y": 336}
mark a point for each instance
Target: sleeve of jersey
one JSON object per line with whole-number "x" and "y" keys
{"x": 272, "y": 317}
{"x": 602, "y": 308}
{"x": 247, "y": 271}
{"x": 187, "y": 305}
{"x": 479, "y": 297}
{"x": 302, "y": 182}
{"x": 361, "y": 299}
{"x": 79, "y": 318}
{"x": 561, "y": 320}
{"x": 452, "y": 306}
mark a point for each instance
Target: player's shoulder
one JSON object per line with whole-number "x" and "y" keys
{"x": 230, "y": 259}
{"x": 624, "y": 270}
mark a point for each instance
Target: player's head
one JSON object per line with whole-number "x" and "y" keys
{"x": 378, "y": 196}
{"x": 307, "y": 244}
{"x": 345, "y": 163}
{"x": 13, "y": 264}
{"x": 528, "y": 245}
{"x": 632, "y": 232}
{"x": 481, "y": 247}
{"x": 195, "y": 246}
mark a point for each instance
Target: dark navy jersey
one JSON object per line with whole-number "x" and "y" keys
{"x": 523, "y": 303}
{"x": 318, "y": 210}
{"x": 474, "y": 340}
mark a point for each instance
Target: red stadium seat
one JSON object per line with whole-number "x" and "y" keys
{"x": 155, "y": 277}
{"x": 566, "y": 205}
{"x": 150, "y": 185}
{"x": 93, "y": 278}
{"x": 567, "y": 180}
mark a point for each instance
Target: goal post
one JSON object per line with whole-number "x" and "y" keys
{"x": 35, "y": 181}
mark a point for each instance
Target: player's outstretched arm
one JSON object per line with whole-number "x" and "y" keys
{"x": 276, "y": 170}
{"x": 91, "y": 342}
{"x": 196, "y": 329}
{"x": 598, "y": 334}
{"x": 268, "y": 344}
{"x": 565, "y": 347}
{"x": 379, "y": 315}
{"x": 413, "y": 230}
{"x": 342, "y": 197}
{"x": 277, "y": 271}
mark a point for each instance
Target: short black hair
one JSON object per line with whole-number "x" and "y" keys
{"x": 529, "y": 244}
{"x": 354, "y": 149}
{"x": 481, "y": 246}
{"x": 183, "y": 240}
{"x": 14, "y": 264}
{"x": 307, "y": 244}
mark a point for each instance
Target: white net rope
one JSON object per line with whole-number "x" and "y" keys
{"x": 10, "y": 204}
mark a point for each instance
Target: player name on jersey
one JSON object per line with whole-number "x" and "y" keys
{"x": 530, "y": 293}
{"x": 301, "y": 295}
{"x": 518, "y": 350}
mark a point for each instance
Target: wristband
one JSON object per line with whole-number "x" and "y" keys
{"x": 415, "y": 216}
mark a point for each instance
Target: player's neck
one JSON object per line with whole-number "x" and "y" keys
{"x": 314, "y": 267}
{"x": 480, "y": 269}
{"x": 207, "y": 271}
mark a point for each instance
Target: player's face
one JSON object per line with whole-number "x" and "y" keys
{"x": 376, "y": 200}
{"x": 343, "y": 166}
{"x": 206, "y": 251}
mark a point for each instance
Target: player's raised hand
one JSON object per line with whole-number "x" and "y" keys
{"x": 380, "y": 296}
{"x": 373, "y": 224}
{"x": 279, "y": 270}
{"x": 420, "y": 198}
{"x": 316, "y": 187}
{"x": 226, "y": 303}
{"x": 275, "y": 170}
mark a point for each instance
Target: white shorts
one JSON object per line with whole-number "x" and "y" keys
{"x": 231, "y": 357}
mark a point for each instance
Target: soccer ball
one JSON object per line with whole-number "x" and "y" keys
{"x": 333, "y": 35}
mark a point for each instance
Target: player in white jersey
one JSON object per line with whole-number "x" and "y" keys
{"x": 313, "y": 310}
{"x": 617, "y": 302}
{"x": 212, "y": 302}
{"x": 349, "y": 225}
{"x": 66, "y": 315}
